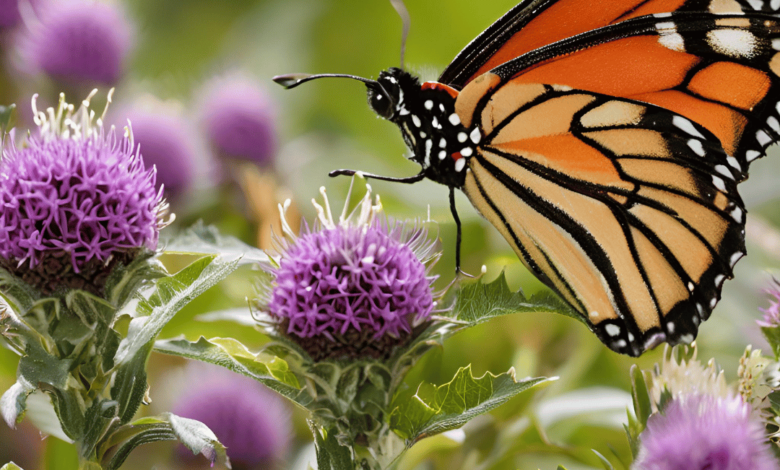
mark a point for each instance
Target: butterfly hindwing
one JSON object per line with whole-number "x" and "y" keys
{"x": 538, "y": 23}
{"x": 619, "y": 206}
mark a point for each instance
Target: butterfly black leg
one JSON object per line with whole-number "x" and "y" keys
{"x": 408, "y": 180}
{"x": 457, "y": 224}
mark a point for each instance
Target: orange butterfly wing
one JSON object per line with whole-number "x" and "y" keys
{"x": 539, "y": 23}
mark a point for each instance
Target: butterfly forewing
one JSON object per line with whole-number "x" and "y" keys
{"x": 617, "y": 205}
{"x": 532, "y": 25}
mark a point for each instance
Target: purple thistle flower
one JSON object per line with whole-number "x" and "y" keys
{"x": 250, "y": 420}
{"x": 238, "y": 119}
{"x": 772, "y": 313}
{"x": 703, "y": 432}
{"x": 164, "y": 142}
{"x": 77, "y": 40}
{"x": 9, "y": 13}
{"x": 353, "y": 289}
{"x": 74, "y": 201}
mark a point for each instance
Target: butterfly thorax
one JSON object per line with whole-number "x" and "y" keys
{"x": 431, "y": 128}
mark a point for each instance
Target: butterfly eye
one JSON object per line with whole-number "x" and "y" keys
{"x": 380, "y": 103}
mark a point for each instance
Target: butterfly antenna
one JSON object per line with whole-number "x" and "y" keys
{"x": 400, "y": 7}
{"x": 292, "y": 80}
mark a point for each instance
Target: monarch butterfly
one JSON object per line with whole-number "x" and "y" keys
{"x": 605, "y": 141}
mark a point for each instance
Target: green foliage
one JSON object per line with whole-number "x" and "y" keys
{"x": 273, "y": 372}
{"x": 10, "y": 466}
{"x": 6, "y": 115}
{"x": 772, "y": 335}
{"x": 89, "y": 354}
{"x": 331, "y": 455}
{"x": 637, "y": 421}
{"x": 433, "y": 410}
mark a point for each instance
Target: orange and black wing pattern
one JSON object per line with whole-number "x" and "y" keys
{"x": 538, "y": 23}
{"x": 629, "y": 211}
{"x": 610, "y": 163}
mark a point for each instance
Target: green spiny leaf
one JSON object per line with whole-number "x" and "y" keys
{"x": 201, "y": 239}
{"x": 197, "y": 437}
{"x": 433, "y": 410}
{"x": 478, "y": 302}
{"x": 125, "y": 281}
{"x": 6, "y": 115}
{"x": 168, "y": 296}
{"x": 130, "y": 384}
{"x": 100, "y": 417}
{"x": 640, "y": 395}
{"x": 330, "y": 454}
{"x": 229, "y": 353}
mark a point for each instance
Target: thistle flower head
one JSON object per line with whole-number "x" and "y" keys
{"x": 705, "y": 432}
{"x": 353, "y": 287}
{"x": 77, "y": 40}
{"x": 74, "y": 201}
{"x": 687, "y": 376}
{"x": 238, "y": 118}
{"x": 772, "y": 313}
{"x": 248, "y": 419}
{"x": 164, "y": 142}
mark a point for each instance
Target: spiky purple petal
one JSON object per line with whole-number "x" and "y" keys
{"x": 703, "y": 432}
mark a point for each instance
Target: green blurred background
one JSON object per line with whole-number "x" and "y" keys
{"x": 327, "y": 125}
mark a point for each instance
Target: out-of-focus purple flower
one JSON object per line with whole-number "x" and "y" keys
{"x": 772, "y": 313}
{"x": 9, "y": 13}
{"x": 353, "y": 289}
{"x": 238, "y": 118}
{"x": 77, "y": 41}
{"x": 165, "y": 142}
{"x": 74, "y": 200}
{"x": 251, "y": 421}
{"x": 703, "y": 432}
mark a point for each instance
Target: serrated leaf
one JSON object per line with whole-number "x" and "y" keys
{"x": 99, "y": 418}
{"x": 330, "y": 454}
{"x": 68, "y": 407}
{"x": 433, "y": 410}
{"x": 16, "y": 293}
{"x": 202, "y": 239}
{"x": 198, "y": 438}
{"x": 10, "y": 466}
{"x": 166, "y": 427}
{"x": 478, "y": 302}
{"x": 230, "y": 354}
{"x": 13, "y": 403}
{"x": 772, "y": 335}
{"x": 125, "y": 281}
{"x": 130, "y": 384}
{"x": 169, "y": 295}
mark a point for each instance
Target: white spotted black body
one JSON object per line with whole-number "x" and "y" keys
{"x": 432, "y": 130}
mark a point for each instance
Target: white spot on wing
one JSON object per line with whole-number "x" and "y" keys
{"x": 756, "y": 4}
{"x": 691, "y": 286}
{"x": 416, "y": 120}
{"x": 476, "y": 135}
{"x": 687, "y": 339}
{"x": 772, "y": 121}
{"x": 751, "y": 155}
{"x": 718, "y": 182}
{"x": 776, "y": 44}
{"x": 594, "y": 314}
{"x": 612, "y": 330}
{"x": 442, "y": 155}
{"x": 736, "y": 214}
{"x": 734, "y": 163}
{"x": 662, "y": 15}
{"x": 466, "y": 152}
{"x": 443, "y": 142}
{"x": 460, "y": 164}
{"x": 428, "y": 105}
{"x": 670, "y": 327}
{"x": 733, "y": 42}
{"x": 763, "y": 138}
{"x": 454, "y": 119}
{"x": 672, "y": 41}
{"x": 684, "y": 124}
{"x": 462, "y": 137}
{"x": 724, "y": 171}
{"x": 665, "y": 25}
{"x": 697, "y": 147}
{"x": 736, "y": 257}
{"x": 719, "y": 279}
